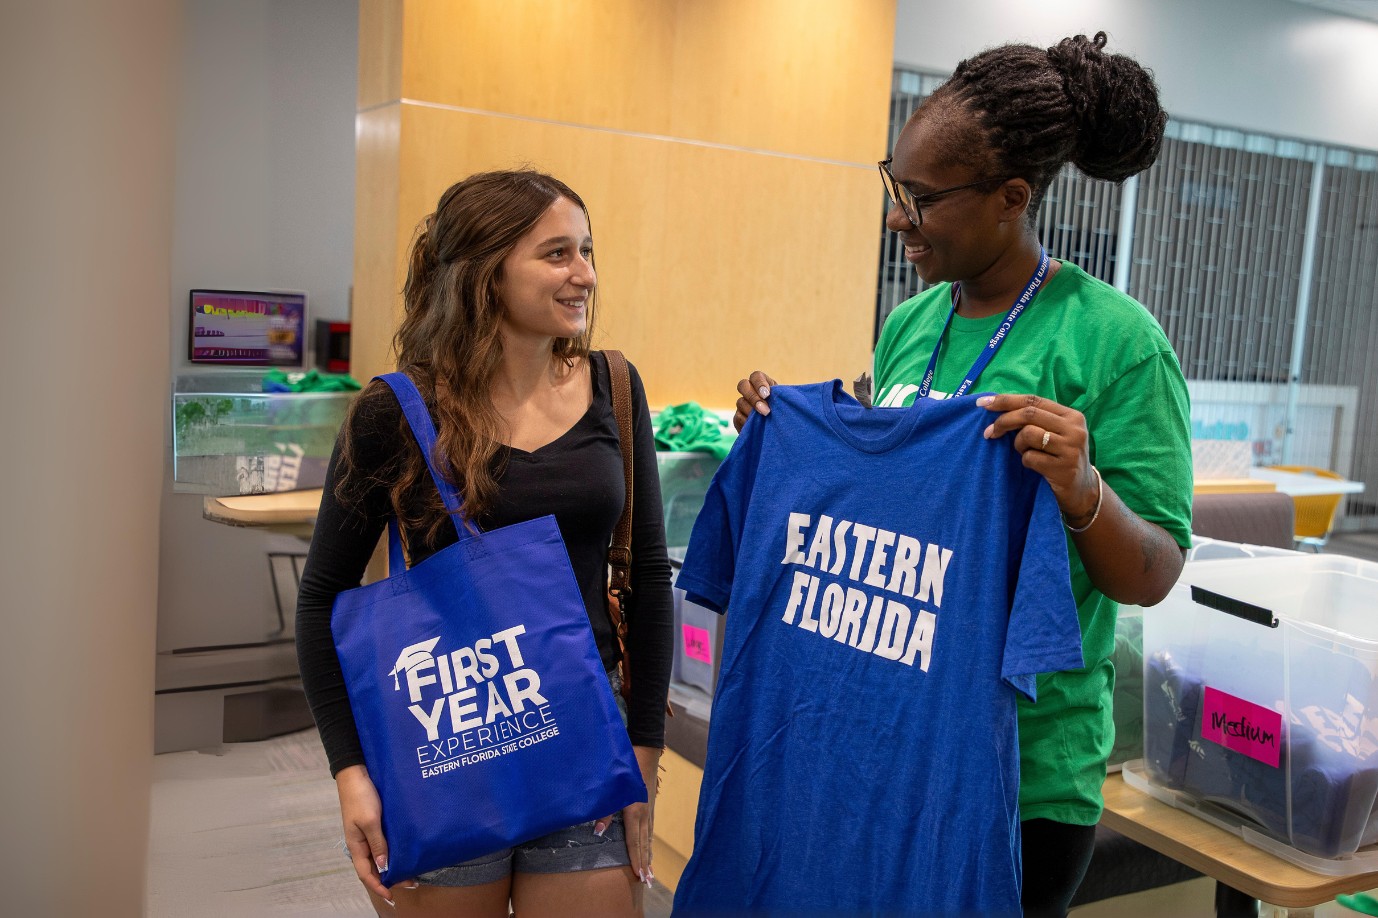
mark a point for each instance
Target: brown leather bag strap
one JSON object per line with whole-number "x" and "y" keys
{"x": 620, "y": 551}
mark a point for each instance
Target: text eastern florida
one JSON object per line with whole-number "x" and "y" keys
{"x": 893, "y": 562}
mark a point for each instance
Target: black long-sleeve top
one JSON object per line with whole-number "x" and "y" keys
{"x": 577, "y": 477}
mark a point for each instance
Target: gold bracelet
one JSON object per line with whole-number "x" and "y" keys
{"x": 1100, "y": 493}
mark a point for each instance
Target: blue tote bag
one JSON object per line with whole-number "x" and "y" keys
{"x": 484, "y": 713}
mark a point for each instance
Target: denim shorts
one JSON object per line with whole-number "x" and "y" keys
{"x": 566, "y": 851}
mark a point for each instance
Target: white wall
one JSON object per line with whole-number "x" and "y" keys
{"x": 85, "y": 232}
{"x": 264, "y": 199}
{"x": 1264, "y": 65}
{"x": 265, "y": 152}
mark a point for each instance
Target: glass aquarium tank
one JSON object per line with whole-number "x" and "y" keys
{"x": 230, "y": 437}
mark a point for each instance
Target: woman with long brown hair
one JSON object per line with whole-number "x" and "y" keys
{"x": 499, "y": 303}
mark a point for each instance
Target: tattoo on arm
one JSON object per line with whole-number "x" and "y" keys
{"x": 1150, "y": 552}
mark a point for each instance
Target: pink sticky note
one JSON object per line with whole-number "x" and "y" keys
{"x": 696, "y": 644}
{"x": 1242, "y": 726}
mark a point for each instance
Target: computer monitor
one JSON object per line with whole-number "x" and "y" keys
{"x": 247, "y": 328}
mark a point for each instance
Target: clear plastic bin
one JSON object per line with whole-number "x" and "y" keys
{"x": 698, "y": 639}
{"x": 229, "y": 437}
{"x": 698, "y": 644}
{"x": 1128, "y": 656}
{"x": 684, "y": 480}
{"x": 1128, "y": 699}
{"x": 1261, "y": 702}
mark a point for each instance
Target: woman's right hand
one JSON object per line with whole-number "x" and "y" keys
{"x": 362, "y": 813}
{"x": 754, "y": 390}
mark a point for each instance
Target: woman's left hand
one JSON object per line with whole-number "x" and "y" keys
{"x": 1053, "y": 441}
{"x": 638, "y": 820}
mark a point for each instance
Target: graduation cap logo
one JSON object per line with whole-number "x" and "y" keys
{"x": 412, "y": 657}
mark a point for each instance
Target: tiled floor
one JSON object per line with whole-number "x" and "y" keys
{"x": 255, "y": 832}
{"x": 251, "y": 832}
{"x": 1362, "y": 545}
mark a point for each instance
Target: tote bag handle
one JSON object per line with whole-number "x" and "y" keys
{"x": 423, "y": 429}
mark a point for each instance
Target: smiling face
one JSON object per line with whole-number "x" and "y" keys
{"x": 548, "y": 276}
{"x": 962, "y": 233}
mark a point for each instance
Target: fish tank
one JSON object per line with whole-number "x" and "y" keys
{"x": 229, "y": 437}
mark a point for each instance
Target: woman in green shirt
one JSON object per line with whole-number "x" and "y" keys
{"x": 1086, "y": 379}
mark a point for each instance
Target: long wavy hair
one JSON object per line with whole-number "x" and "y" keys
{"x": 450, "y": 344}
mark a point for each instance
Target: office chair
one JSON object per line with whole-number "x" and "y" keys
{"x": 1315, "y": 512}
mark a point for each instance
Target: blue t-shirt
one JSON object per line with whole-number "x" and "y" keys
{"x": 891, "y": 578}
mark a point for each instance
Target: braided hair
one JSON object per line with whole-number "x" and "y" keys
{"x": 1036, "y": 109}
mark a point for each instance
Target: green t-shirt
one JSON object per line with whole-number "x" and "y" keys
{"x": 1083, "y": 344}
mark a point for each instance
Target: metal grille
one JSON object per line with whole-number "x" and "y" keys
{"x": 1233, "y": 236}
{"x": 1342, "y": 328}
{"x": 1078, "y": 221}
{"x": 1217, "y": 253}
{"x": 897, "y": 282}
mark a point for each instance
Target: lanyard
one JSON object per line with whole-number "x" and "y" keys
{"x": 996, "y": 340}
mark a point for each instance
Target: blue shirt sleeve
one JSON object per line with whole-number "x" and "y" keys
{"x": 1044, "y": 634}
{"x": 710, "y": 563}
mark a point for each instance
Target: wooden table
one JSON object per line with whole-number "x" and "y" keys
{"x": 1231, "y": 485}
{"x": 289, "y": 512}
{"x": 1300, "y": 484}
{"x": 1221, "y": 855}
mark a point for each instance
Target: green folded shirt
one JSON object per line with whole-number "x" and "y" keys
{"x": 688, "y": 428}
{"x": 310, "y": 381}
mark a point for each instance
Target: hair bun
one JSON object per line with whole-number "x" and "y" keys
{"x": 1119, "y": 119}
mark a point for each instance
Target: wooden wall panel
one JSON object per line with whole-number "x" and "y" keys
{"x": 677, "y": 805}
{"x": 696, "y": 288}
{"x": 604, "y": 63}
{"x": 377, "y": 273}
{"x": 784, "y": 283}
{"x": 725, "y": 148}
{"x": 380, "y": 52}
{"x": 808, "y": 77}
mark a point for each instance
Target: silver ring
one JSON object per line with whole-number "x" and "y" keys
{"x": 1047, "y": 435}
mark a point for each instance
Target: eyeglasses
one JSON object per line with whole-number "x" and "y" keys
{"x": 913, "y": 204}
